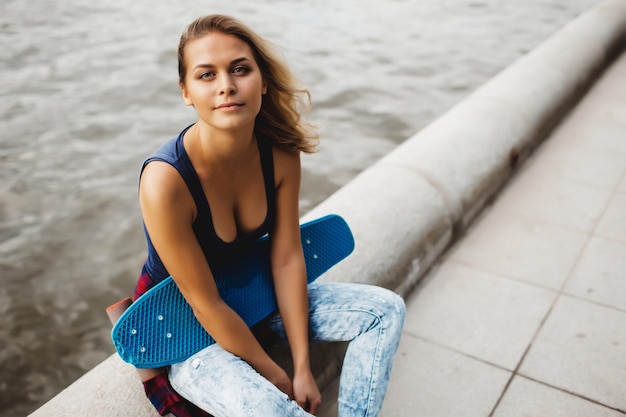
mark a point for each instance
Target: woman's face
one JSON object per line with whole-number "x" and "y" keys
{"x": 223, "y": 81}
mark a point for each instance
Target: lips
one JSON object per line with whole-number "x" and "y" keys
{"x": 229, "y": 106}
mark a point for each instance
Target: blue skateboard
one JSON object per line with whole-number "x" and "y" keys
{"x": 160, "y": 328}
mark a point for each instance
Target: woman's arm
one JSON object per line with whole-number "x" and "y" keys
{"x": 289, "y": 274}
{"x": 168, "y": 211}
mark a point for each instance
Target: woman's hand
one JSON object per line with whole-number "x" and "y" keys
{"x": 306, "y": 393}
{"x": 282, "y": 381}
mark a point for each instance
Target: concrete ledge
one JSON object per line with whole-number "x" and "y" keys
{"x": 410, "y": 206}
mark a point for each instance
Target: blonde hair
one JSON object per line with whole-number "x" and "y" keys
{"x": 280, "y": 119}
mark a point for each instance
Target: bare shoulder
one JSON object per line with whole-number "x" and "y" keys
{"x": 286, "y": 165}
{"x": 162, "y": 185}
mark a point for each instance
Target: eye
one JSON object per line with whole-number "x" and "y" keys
{"x": 206, "y": 75}
{"x": 241, "y": 69}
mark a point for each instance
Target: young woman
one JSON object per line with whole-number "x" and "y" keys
{"x": 222, "y": 183}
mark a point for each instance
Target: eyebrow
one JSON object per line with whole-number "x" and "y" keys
{"x": 233, "y": 62}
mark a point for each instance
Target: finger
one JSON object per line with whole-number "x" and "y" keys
{"x": 303, "y": 403}
{"x": 314, "y": 405}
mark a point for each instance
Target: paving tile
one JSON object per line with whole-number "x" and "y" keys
{"x": 582, "y": 349}
{"x": 600, "y": 275}
{"x": 612, "y": 83}
{"x": 613, "y": 222}
{"x": 554, "y": 200}
{"x": 597, "y": 122}
{"x": 477, "y": 313}
{"x": 601, "y": 106}
{"x": 528, "y": 398}
{"x": 622, "y": 185}
{"x": 510, "y": 245}
{"x": 429, "y": 380}
{"x": 587, "y": 165}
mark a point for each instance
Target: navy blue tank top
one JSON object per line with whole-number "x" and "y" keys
{"x": 214, "y": 248}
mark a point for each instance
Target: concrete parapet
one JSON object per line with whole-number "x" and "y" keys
{"x": 406, "y": 209}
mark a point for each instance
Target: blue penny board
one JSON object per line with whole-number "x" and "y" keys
{"x": 160, "y": 328}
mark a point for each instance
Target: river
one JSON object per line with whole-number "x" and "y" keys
{"x": 89, "y": 88}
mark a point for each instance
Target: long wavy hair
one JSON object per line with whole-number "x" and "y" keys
{"x": 280, "y": 119}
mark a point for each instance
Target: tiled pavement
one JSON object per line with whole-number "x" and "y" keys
{"x": 526, "y": 314}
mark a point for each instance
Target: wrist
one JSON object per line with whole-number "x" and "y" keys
{"x": 302, "y": 368}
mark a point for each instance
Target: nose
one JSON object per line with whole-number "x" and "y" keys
{"x": 227, "y": 85}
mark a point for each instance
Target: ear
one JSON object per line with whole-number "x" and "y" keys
{"x": 185, "y": 93}
{"x": 264, "y": 91}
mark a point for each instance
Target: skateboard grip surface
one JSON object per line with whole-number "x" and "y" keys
{"x": 160, "y": 328}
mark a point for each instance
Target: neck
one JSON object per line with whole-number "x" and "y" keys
{"x": 218, "y": 148}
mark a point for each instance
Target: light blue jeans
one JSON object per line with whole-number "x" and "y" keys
{"x": 370, "y": 317}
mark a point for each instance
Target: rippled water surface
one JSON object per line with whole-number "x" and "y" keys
{"x": 88, "y": 89}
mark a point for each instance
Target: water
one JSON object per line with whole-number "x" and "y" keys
{"x": 88, "y": 89}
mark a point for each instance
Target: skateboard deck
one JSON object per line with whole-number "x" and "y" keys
{"x": 159, "y": 328}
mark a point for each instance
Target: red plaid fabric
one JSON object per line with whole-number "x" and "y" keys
{"x": 158, "y": 389}
{"x": 163, "y": 397}
{"x": 144, "y": 283}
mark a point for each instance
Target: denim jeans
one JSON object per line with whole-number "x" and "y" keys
{"x": 369, "y": 317}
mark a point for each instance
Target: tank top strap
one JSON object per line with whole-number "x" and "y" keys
{"x": 173, "y": 152}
